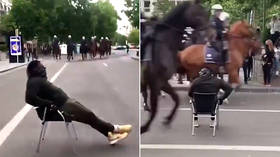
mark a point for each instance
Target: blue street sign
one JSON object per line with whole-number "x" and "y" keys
{"x": 15, "y": 45}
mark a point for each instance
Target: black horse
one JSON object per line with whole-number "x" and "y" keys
{"x": 159, "y": 58}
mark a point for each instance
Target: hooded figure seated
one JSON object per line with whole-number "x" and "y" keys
{"x": 41, "y": 93}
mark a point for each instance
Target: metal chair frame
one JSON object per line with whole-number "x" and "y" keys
{"x": 209, "y": 114}
{"x": 44, "y": 129}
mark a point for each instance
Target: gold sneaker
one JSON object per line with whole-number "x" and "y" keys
{"x": 123, "y": 128}
{"x": 115, "y": 137}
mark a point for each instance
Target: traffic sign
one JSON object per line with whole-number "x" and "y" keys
{"x": 15, "y": 45}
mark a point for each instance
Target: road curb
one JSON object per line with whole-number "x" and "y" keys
{"x": 135, "y": 58}
{"x": 8, "y": 69}
{"x": 242, "y": 89}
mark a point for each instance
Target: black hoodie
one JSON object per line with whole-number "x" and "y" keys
{"x": 40, "y": 92}
{"x": 210, "y": 84}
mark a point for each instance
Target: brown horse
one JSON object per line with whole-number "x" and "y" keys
{"x": 242, "y": 41}
{"x": 93, "y": 48}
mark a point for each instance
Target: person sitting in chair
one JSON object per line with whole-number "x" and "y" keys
{"x": 42, "y": 93}
{"x": 208, "y": 83}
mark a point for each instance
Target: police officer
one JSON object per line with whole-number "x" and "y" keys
{"x": 83, "y": 48}
{"x": 216, "y": 38}
{"x": 70, "y": 48}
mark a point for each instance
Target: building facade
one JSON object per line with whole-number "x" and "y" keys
{"x": 5, "y": 6}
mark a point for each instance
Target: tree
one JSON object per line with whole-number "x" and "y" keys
{"x": 106, "y": 19}
{"x": 132, "y": 12}
{"x": 45, "y": 18}
{"x": 133, "y": 37}
{"x": 163, "y": 7}
{"x": 119, "y": 39}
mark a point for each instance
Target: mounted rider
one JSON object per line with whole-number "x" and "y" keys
{"x": 217, "y": 40}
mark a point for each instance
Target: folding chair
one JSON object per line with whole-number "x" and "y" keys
{"x": 205, "y": 105}
{"x": 54, "y": 116}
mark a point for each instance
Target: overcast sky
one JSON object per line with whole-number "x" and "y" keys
{"x": 124, "y": 26}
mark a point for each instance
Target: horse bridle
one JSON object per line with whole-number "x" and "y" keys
{"x": 179, "y": 30}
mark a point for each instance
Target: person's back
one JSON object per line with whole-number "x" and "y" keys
{"x": 208, "y": 83}
{"x": 40, "y": 92}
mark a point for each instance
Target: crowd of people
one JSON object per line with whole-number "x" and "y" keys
{"x": 90, "y": 46}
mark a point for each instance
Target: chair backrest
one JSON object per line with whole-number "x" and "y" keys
{"x": 204, "y": 103}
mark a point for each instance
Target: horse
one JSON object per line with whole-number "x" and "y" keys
{"x": 242, "y": 41}
{"x": 56, "y": 50}
{"x": 93, "y": 48}
{"x": 160, "y": 59}
{"x": 102, "y": 48}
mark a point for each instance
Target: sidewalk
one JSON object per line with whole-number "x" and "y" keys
{"x": 254, "y": 85}
{"x": 133, "y": 54}
{"x": 6, "y": 66}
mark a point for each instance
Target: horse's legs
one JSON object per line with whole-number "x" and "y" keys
{"x": 145, "y": 96}
{"x": 180, "y": 78}
{"x": 154, "y": 103}
{"x": 234, "y": 78}
{"x": 169, "y": 90}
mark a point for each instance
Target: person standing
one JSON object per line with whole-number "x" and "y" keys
{"x": 127, "y": 48}
{"x": 83, "y": 48}
{"x": 70, "y": 48}
{"x": 273, "y": 29}
{"x": 267, "y": 62}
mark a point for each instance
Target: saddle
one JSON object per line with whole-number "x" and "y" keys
{"x": 216, "y": 54}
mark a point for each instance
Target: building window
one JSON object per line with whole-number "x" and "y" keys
{"x": 147, "y": 6}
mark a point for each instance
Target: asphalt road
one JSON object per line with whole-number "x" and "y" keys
{"x": 109, "y": 87}
{"x": 249, "y": 127}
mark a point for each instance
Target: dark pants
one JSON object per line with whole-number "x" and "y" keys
{"x": 80, "y": 113}
{"x": 218, "y": 46}
{"x": 267, "y": 74}
{"x": 274, "y": 37}
{"x": 246, "y": 70}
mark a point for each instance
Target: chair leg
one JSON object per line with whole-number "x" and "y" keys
{"x": 218, "y": 119}
{"x": 44, "y": 131}
{"x": 41, "y": 137}
{"x": 193, "y": 125}
{"x": 215, "y": 125}
{"x": 74, "y": 131}
{"x": 70, "y": 136}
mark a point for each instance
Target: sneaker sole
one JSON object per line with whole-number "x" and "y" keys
{"x": 113, "y": 142}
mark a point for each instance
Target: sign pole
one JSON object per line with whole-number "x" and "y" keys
{"x": 16, "y": 33}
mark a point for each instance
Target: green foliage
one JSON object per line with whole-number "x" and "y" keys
{"x": 163, "y": 7}
{"x": 119, "y": 39}
{"x": 133, "y": 37}
{"x": 45, "y": 18}
{"x": 106, "y": 23}
{"x": 132, "y": 12}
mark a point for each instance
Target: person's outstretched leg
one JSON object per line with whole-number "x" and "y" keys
{"x": 80, "y": 113}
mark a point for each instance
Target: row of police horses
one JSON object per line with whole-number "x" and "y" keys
{"x": 161, "y": 57}
{"x": 92, "y": 47}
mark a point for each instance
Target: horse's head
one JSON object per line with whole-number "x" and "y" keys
{"x": 188, "y": 14}
{"x": 243, "y": 31}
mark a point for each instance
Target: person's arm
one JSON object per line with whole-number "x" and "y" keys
{"x": 226, "y": 88}
{"x": 32, "y": 97}
{"x": 192, "y": 88}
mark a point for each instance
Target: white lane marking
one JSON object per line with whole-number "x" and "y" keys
{"x": 210, "y": 147}
{"x": 228, "y": 110}
{"x": 12, "y": 124}
{"x": 106, "y": 65}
